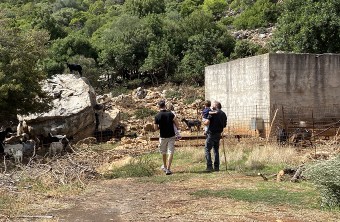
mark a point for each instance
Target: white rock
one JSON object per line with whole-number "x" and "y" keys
{"x": 73, "y": 113}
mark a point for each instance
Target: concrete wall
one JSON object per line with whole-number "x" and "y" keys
{"x": 242, "y": 86}
{"x": 249, "y": 87}
{"x": 304, "y": 79}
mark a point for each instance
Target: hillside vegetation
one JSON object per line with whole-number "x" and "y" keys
{"x": 149, "y": 41}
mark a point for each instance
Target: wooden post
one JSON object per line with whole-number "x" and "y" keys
{"x": 271, "y": 125}
{"x": 284, "y": 121}
{"x": 313, "y": 131}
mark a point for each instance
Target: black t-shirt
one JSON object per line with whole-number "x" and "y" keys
{"x": 217, "y": 122}
{"x": 164, "y": 119}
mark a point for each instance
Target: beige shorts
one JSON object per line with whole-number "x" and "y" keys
{"x": 167, "y": 145}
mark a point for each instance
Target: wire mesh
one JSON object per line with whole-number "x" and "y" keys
{"x": 250, "y": 121}
{"x": 265, "y": 121}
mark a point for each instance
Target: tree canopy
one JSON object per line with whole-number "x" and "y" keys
{"x": 309, "y": 26}
{"x": 148, "y": 41}
{"x": 21, "y": 70}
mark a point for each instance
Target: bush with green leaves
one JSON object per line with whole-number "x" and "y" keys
{"x": 245, "y": 48}
{"x": 144, "y": 113}
{"x": 171, "y": 94}
{"x": 119, "y": 90}
{"x": 21, "y": 53}
{"x": 326, "y": 176}
{"x": 308, "y": 27}
{"x": 133, "y": 84}
{"x": 261, "y": 14}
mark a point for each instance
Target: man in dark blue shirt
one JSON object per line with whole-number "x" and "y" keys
{"x": 164, "y": 121}
{"x": 216, "y": 123}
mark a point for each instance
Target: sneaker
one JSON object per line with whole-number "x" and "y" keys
{"x": 163, "y": 168}
{"x": 208, "y": 169}
{"x": 168, "y": 172}
{"x": 178, "y": 136}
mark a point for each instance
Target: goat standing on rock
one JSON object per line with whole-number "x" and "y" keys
{"x": 3, "y": 135}
{"x": 192, "y": 123}
{"x": 75, "y": 67}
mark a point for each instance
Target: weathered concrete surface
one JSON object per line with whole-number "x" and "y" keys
{"x": 249, "y": 87}
{"x": 242, "y": 86}
{"x": 305, "y": 79}
{"x": 73, "y": 112}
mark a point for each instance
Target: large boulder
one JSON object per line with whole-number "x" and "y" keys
{"x": 108, "y": 119}
{"x": 73, "y": 113}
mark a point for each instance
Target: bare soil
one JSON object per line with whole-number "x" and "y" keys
{"x": 136, "y": 200}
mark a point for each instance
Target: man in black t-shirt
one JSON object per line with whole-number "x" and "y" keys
{"x": 164, "y": 121}
{"x": 216, "y": 123}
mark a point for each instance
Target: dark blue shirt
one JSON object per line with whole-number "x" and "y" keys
{"x": 205, "y": 112}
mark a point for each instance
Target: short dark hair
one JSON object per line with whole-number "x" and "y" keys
{"x": 161, "y": 104}
{"x": 218, "y": 105}
{"x": 207, "y": 103}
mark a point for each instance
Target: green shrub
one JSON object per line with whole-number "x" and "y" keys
{"x": 119, "y": 90}
{"x": 261, "y": 14}
{"x": 144, "y": 113}
{"x": 135, "y": 83}
{"x": 326, "y": 176}
{"x": 171, "y": 94}
{"x": 240, "y": 5}
{"x": 137, "y": 167}
{"x": 245, "y": 48}
{"x": 124, "y": 116}
{"x": 189, "y": 100}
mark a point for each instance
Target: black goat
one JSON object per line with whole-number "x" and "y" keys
{"x": 75, "y": 67}
{"x": 301, "y": 136}
{"x": 3, "y": 135}
{"x": 281, "y": 136}
{"x": 46, "y": 141}
{"x": 192, "y": 123}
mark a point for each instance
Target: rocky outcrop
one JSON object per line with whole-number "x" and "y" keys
{"x": 108, "y": 119}
{"x": 141, "y": 93}
{"x": 72, "y": 113}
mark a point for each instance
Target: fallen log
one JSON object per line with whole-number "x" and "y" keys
{"x": 297, "y": 174}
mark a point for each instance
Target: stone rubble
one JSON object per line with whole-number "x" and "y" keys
{"x": 187, "y": 104}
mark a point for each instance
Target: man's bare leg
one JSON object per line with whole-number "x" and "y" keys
{"x": 164, "y": 160}
{"x": 170, "y": 161}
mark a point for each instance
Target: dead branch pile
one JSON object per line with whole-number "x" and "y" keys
{"x": 80, "y": 166}
{"x": 292, "y": 174}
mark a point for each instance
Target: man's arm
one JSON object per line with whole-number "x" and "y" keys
{"x": 212, "y": 112}
{"x": 206, "y": 122}
{"x": 225, "y": 121}
{"x": 155, "y": 125}
{"x": 176, "y": 123}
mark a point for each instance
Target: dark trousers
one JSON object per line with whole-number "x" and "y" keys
{"x": 2, "y": 147}
{"x": 212, "y": 142}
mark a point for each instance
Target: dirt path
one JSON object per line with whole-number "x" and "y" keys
{"x": 132, "y": 200}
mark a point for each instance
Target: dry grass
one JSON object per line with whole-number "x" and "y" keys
{"x": 272, "y": 154}
{"x": 197, "y": 155}
{"x": 47, "y": 191}
{"x": 253, "y": 156}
